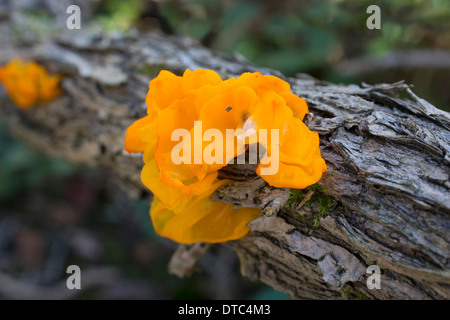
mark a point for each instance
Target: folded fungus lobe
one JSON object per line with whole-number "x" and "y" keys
{"x": 198, "y": 102}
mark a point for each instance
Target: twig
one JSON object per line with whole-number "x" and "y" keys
{"x": 186, "y": 258}
{"x": 307, "y": 198}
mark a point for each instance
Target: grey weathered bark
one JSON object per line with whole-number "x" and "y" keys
{"x": 387, "y": 151}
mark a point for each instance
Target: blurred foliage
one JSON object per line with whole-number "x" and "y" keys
{"x": 302, "y": 36}
{"x": 305, "y": 36}
{"x": 118, "y": 15}
{"x": 22, "y": 169}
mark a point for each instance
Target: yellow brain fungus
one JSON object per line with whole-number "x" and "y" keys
{"x": 28, "y": 83}
{"x": 186, "y": 115}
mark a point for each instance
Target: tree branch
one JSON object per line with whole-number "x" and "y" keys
{"x": 387, "y": 152}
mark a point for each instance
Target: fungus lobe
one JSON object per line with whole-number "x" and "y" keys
{"x": 28, "y": 83}
{"x": 182, "y": 209}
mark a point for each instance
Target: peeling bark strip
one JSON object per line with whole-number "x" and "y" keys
{"x": 387, "y": 151}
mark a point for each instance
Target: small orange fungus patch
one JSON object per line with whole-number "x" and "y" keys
{"x": 28, "y": 83}
{"x": 182, "y": 209}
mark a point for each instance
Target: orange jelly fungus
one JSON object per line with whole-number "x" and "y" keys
{"x": 28, "y": 83}
{"x": 182, "y": 209}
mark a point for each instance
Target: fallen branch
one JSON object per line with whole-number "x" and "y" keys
{"x": 387, "y": 151}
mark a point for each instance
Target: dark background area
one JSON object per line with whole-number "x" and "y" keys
{"x": 54, "y": 214}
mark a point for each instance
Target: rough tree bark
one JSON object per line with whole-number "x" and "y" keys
{"x": 387, "y": 151}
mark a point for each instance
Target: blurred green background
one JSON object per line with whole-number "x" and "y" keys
{"x": 327, "y": 39}
{"x": 53, "y": 214}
